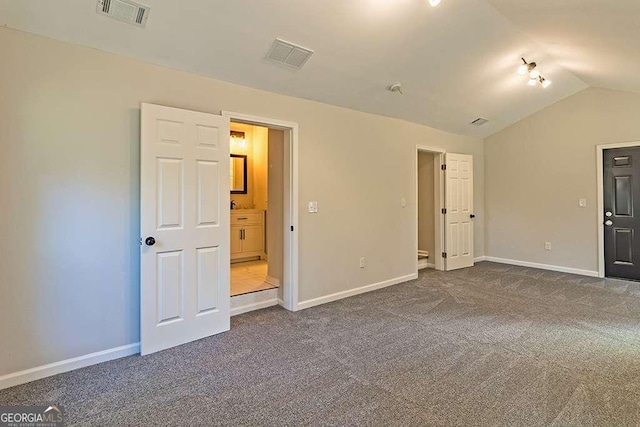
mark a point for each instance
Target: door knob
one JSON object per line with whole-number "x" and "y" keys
{"x": 608, "y": 214}
{"x": 608, "y": 223}
{"x": 149, "y": 241}
{"x": 472, "y": 216}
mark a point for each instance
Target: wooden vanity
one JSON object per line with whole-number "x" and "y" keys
{"x": 247, "y": 234}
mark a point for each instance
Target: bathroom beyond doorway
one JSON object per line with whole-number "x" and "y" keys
{"x": 257, "y": 163}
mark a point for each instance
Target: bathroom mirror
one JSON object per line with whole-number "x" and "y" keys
{"x": 238, "y": 174}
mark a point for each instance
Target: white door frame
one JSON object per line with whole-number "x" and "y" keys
{"x": 290, "y": 256}
{"x": 438, "y": 193}
{"x": 600, "y": 184}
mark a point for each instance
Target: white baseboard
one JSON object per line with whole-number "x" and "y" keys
{"x": 253, "y": 301}
{"x": 549, "y": 267}
{"x": 351, "y": 292}
{"x": 480, "y": 258}
{"x": 43, "y": 371}
{"x": 424, "y": 263}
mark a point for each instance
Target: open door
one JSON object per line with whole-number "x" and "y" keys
{"x": 184, "y": 221}
{"x": 459, "y": 211}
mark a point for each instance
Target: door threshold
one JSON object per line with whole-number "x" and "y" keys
{"x": 257, "y": 290}
{"x": 254, "y": 301}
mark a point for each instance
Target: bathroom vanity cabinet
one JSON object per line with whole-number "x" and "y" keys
{"x": 247, "y": 234}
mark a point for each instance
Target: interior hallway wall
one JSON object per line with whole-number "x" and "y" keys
{"x": 69, "y": 191}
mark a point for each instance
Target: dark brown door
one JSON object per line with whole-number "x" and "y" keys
{"x": 622, "y": 212}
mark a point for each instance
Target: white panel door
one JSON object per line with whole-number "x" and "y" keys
{"x": 184, "y": 207}
{"x": 459, "y": 216}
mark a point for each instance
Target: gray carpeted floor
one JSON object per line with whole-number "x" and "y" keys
{"x": 489, "y": 345}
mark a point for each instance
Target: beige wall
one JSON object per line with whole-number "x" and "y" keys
{"x": 426, "y": 205}
{"x": 538, "y": 169}
{"x": 275, "y": 208}
{"x": 255, "y": 148}
{"x": 260, "y": 167}
{"x": 69, "y": 191}
{"x": 244, "y": 200}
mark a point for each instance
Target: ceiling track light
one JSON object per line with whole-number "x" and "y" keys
{"x": 535, "y": 77}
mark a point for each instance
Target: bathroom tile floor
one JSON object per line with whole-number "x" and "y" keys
{"x": 249, "y": 277}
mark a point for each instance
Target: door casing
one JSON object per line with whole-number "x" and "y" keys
{"x": 290, "y": 256}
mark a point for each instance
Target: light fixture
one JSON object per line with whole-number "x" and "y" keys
{"x": 522, "y": 70}
{"x": 434, "y": 3}
{"x": 237, "y": 138}
{"x": 529, "y": 68}
{"x": 544, "y": 82}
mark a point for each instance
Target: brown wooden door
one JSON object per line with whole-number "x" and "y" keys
{"x": 622, "y": 212}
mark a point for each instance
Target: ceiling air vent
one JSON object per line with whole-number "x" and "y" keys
{"x": 479, "y": 121}
{"x": 288, "y": 53}
{"x": 125, "y": 11}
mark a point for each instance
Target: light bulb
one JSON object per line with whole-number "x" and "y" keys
{"x": 434, "y": 3}
{"x": 546, "y": 83}
{"x": 534, "y": 74}
{"x": 532, "y": 82}
{"x": 522, "y": 70}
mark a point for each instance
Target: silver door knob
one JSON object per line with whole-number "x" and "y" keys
{"x": 608, "y": 223}
{"x": 608, "y": 214}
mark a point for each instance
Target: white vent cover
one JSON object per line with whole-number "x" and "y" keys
{"x": 288, "y": 53}
{"x": 125, "y": 11}
{"x": 479, "y": 121}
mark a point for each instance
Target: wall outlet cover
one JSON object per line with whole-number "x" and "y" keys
{"x": 582, "y": 203}
{"x": 313, "y": 207}
{"x": 362, "y": 262}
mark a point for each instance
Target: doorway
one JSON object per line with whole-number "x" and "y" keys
{"x": 452, "y": 205}
{"x": 620, "y": 203}
{"x": 430, "y": 202}
{"x": 249, "y": 177}
{"x": 264, "y": 216}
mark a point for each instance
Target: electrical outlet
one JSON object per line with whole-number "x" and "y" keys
{"x": 582, "y": 203}
{"x": 547, "y": 246}
{"x": 403, "y": 202}
{"x": 313, "y": 207}
{"x": 361, "y": 262}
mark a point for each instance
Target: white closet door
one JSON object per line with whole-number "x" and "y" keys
{"x": 459, "y": 216}
{"x": 185, "y": 226}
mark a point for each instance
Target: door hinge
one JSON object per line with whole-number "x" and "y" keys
{"x": 444, "y": 211}
{"x": 292, "y": 228}
{"x": 444, "y": 254}
{"x": 443, "y": 167}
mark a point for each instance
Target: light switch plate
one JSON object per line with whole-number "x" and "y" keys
{"x": 403, "y": 202}
{"x": 582, "y": 203}
{"x": 313, "y": 207}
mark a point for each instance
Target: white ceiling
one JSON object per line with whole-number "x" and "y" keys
{"x": 456, "y": 62}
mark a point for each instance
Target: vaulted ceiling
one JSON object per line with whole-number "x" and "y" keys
{"x": 456, "y": 61}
